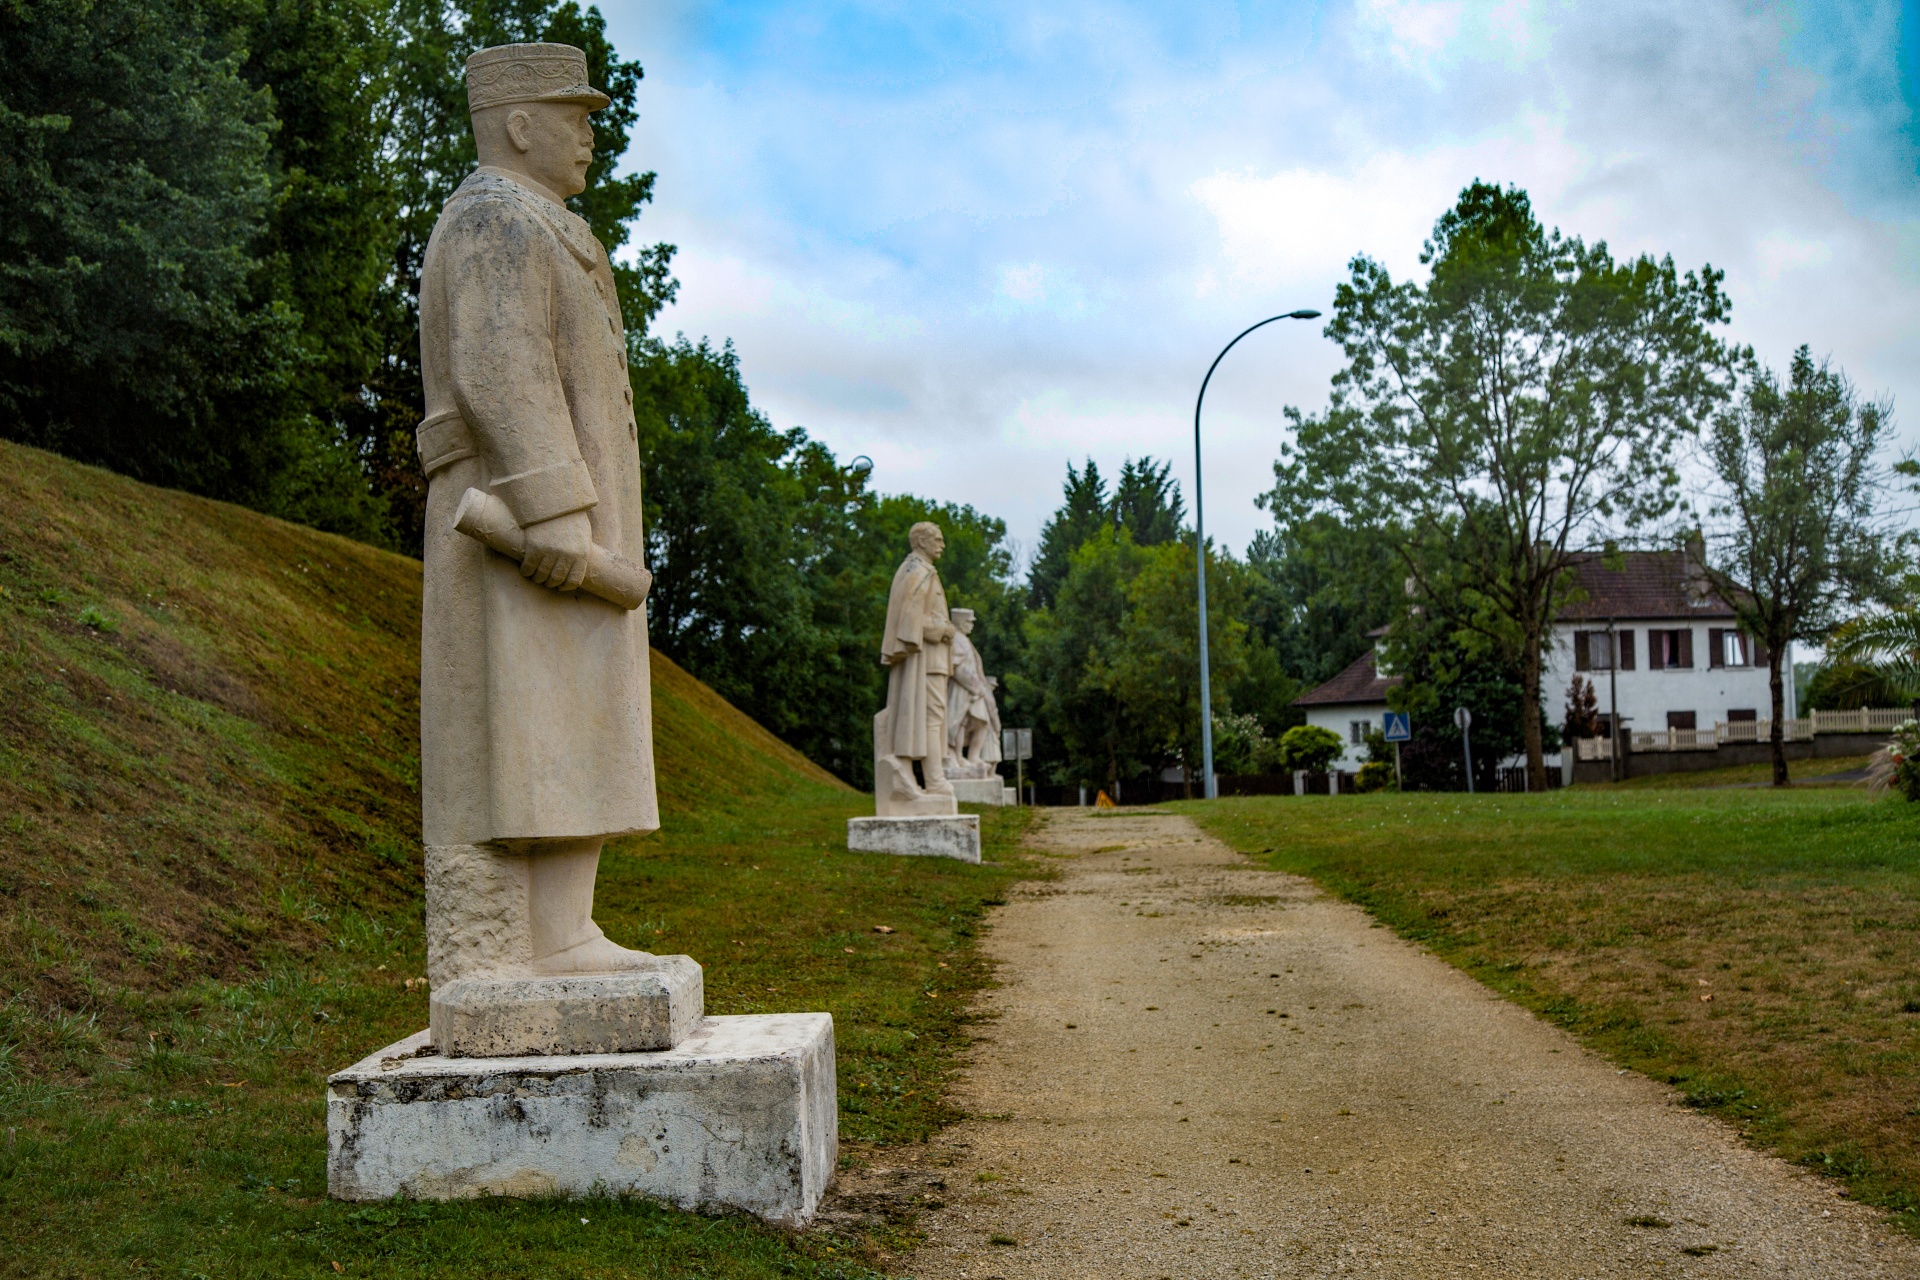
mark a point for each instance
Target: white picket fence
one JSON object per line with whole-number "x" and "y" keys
{"x": 1864, "y": 720}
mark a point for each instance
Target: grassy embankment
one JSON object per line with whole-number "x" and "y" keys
{"x": 1758, "y": 950}
{"x": 209, "y": 873}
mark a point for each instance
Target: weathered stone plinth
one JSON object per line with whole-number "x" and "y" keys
{"x": 930, "y": 837}
{"x": 633, "y": 1011}
{"x": 979, "y": 790}
{"x": 741, "y": 1115}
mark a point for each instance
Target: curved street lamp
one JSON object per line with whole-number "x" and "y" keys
{"x": 1212, "y": 791}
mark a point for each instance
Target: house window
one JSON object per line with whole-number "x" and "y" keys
{"x": 1681, "y": 720}
{"x": 1742, "y": 715}
{"x": 1592, "y": 651}
{"x": 1728, "y": 648}
{"x": 1357, "y": 731}
{"x": 1670, "y": 648}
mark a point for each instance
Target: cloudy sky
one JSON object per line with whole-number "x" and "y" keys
{"x": 975, "y": 242}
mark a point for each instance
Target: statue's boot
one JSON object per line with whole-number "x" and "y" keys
{"x": 560, "y": 909}
{"x": 935, "y": 770}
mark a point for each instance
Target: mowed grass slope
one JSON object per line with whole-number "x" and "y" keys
{"x": 1759, "y": 950}
{"x": 209, "y": 898}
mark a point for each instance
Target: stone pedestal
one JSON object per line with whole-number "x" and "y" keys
{"x": 628, "y": 1012}
{"x": 928, "y": 837}
{"x": 978, "y": 790}
{"x": 742, "y": 1115}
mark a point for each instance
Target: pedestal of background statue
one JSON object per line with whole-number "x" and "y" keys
{"x": 979, "y": 790}
{"x": 742, "y": 1114}
{"x": 951, "y": 836}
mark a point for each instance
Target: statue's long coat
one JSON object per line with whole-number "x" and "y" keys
{"x": 970, "y": 698}
{"x": 535, "y": 710}
{"x": 916, "y": 602}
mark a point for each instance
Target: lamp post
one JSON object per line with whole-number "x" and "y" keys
{"x": 1212, "y": 789}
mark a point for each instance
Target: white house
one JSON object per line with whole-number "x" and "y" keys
{"x": 1661, "y": 649}
{"x": 1351, "y": 704}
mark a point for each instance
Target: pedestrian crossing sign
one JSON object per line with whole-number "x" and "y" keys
{"x": 1399, "y": 726}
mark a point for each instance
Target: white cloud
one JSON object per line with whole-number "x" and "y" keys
{"x": 1018, "y": 238}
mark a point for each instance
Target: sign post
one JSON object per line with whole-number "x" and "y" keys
{"x": 1017, "y": 745}
{"x": 1398, "y": 728}
{"x": 1464, "y": 719}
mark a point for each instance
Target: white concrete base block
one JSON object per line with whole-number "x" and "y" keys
{"x": 742, "y": 1115}
{"x": 633, "y": 1011}
{"x": 933, "y": 837}
{"x": 979, "y": 790}
{"x": 1009, "y": 796}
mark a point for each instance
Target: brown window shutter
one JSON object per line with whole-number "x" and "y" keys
{"x": 1657, "y": 650}
{"x": 1582, "y": 659}
{"x": 1758, "y": 648}
{"x": 1623, "y": 641}
{"x": 1686, "y": 648}
{"x": 1716, "y": 647}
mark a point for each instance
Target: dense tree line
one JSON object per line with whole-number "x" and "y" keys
{"x": 213, "y": 215}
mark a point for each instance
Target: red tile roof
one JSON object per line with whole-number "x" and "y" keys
{"x": 1642, "y": 584}
{"x": 1359, "y": 683}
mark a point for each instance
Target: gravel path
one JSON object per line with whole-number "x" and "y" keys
{"x": 1199, "y": 1069}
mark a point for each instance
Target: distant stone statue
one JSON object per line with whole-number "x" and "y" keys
{"x": 973, "y": 719}
{"x": 917, "y": 650}
{"x": 535, "y": 705}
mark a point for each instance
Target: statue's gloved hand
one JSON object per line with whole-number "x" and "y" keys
{"x": 939, "y": 633}
{"x": 556, "y": 554}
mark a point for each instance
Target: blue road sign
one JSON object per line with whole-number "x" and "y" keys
{"x": 1399, "y": 727}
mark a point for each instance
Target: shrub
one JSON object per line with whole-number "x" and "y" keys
{"x": 1309, "y": 747}
{"x": 1896, "y": 766}
{"x": 1374, "y": 775}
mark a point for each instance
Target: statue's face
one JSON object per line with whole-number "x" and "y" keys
{"x": 555, "y": 141}
{"x": 932, "y": 544}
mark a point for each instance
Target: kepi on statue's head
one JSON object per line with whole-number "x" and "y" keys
{"x": 962, "y": 620}
{"x": 926, "y": 538}
{"x": 529, "y": 104}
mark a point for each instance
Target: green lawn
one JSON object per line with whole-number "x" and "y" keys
{"x": 210, "y": 881}
{"x": 203, "y": 1153}
{"x": 1758, "y": 950}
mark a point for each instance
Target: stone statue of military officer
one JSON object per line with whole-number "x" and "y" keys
{"x": 535, "y": 706}
{"x": 917, "y": 650}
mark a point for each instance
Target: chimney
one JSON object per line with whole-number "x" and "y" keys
{"x": 1693, "y": 570}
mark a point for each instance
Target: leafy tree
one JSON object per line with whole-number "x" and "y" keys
{"x": 1530, "y": 394}
{"x": 135, "y": 184}
{"x": 1319, "y": 587}
{"x": 1112, "y": 670}
{"x": 1797, "y": 538}
{"x": 1445, "y": 664}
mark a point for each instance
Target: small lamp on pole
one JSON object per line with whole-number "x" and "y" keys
{"x": 1200, "y": 543}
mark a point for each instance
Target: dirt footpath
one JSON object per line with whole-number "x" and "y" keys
{"x": 1198, "y": 1069}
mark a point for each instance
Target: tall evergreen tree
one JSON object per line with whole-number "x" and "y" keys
{"x": 1147, "y": 502}
{"x": 1084, "y": 511}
